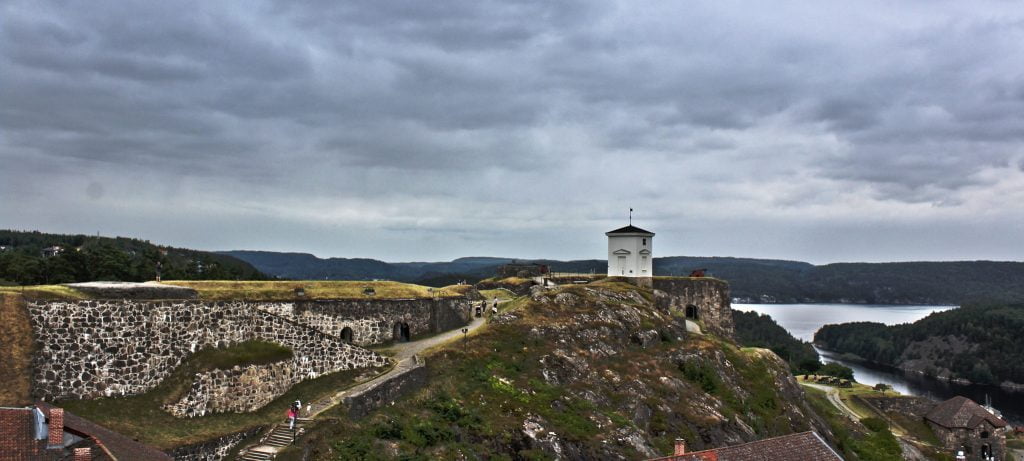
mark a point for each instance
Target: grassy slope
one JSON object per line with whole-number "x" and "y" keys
{"x": 226, "y": 290}
{"x": 43, "y": 292}
{"x": 16, "y": 348}
{"x": 855, "y": 441}
{"x": 480, "y": 392}
{"x": 223, "y": 290}
{"x": 141, "y": 417}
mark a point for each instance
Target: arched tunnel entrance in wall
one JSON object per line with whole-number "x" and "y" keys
{"x": 346, "y": 335}
{"x": 400, "y": 333}
{"x": 692, "y": 312}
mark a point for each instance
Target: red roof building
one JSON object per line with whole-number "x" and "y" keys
{"x": 804, "y": 446}
{"x": 46, "y": 433}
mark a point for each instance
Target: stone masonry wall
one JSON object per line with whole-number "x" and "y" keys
{"x": 954, "y": 439}
{"x": 89, "y": 349}
{"x": 372, "y": 321}
{"x": 238, "y": 390}
{"x": 213, "y": 450}
{"x": 711, "y": 296}
{"x": 408, "y": 379}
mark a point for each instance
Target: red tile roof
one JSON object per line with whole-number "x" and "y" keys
{"x": 962, "y": 412}
{"x": 804, "y": 446}
{"x": 117, "y": 446}
{"x": 17, "y": 435}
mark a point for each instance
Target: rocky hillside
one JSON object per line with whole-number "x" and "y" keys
{"x": 579, "y": 372}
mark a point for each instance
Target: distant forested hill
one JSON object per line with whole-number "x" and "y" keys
{"x": 981, "y": 343}
{"x": 751, "y": 280}
{"x": 305, "y": 266}
{"x": 760, "y": 330}
{"x": 88, "y": 258}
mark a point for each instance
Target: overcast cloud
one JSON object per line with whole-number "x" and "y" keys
{"x": 818, "y": 131}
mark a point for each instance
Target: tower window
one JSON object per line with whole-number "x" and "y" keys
{"x": 645, "y": 242}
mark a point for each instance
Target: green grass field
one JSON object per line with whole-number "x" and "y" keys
{"x": 224, "y": 290}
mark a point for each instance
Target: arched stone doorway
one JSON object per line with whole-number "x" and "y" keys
{"x": 400, "y": 332}
{"x": 692, "y": 312}
{"x": 346, "y": 335}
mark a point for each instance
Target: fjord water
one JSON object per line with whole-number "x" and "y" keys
{"x": 803, "y": 320}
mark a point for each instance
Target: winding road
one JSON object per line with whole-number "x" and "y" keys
{"x": 406, "y": 356}
{"x": 833, "y": 396}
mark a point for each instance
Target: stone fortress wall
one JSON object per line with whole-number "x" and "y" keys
{"x": 373, "y": 321}
{"x": 97, "y": 348}
{"x": 707, "y": 298}
{"x": 89, "y": 349}
{"x": 236, "y": 390}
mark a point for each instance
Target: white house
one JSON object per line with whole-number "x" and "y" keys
{"x": 629, "y": 252}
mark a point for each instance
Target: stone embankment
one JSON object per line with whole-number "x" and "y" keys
{"x": 408, "y": 376}
{"x": 707, "y": 297}
{"x": 89, "y": 349}
{"x": 237, "y": 390}
{"x": 213, "y": 450}
{"x": 377, "y": 321}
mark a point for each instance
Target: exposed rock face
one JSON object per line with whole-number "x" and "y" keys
{"x": 238, "y": 390}
{"x": 89, "y": 349}
{"x": 927, "y": 355}
{"x": 709, "y": 296}
{"x": 605, "y": 371}
{"x": 600, "y": 344}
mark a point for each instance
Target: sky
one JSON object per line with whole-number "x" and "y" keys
{"x": 818, "y": 131}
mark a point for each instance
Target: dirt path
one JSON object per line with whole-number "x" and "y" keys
{"x": 406, "y": 355}
{"x": 833, "y": 396}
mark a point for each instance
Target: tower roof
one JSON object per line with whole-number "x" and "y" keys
{"x": 630, "y": 229}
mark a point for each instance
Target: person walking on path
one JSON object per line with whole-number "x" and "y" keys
{"x": 291, "y": 418}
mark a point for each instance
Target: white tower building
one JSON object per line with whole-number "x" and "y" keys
{"x": 629, "y": 252}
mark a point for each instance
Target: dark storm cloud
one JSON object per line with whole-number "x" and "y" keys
{"x": 512, "y": 127}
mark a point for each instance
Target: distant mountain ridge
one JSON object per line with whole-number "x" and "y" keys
{"x": 752, "y": 280}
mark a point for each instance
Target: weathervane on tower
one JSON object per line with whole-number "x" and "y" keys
{"x": 631, "y": 216}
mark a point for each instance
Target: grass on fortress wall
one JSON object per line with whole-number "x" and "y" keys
{"x": 43, "y": 291}
{"x": 16, "y": 347}
{"x": 245, "y": 353}
{"x": 140, "y": 416}
{"x": 224, "y": 290}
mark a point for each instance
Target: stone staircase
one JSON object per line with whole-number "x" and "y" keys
{"x": 277, "y": 439}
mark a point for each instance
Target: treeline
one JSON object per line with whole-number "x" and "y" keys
{"x": 85, "y": 258}
{"x": 759, "y": 330}
{"x": 981, "y": 343}
{"x": 750, "y": 280}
